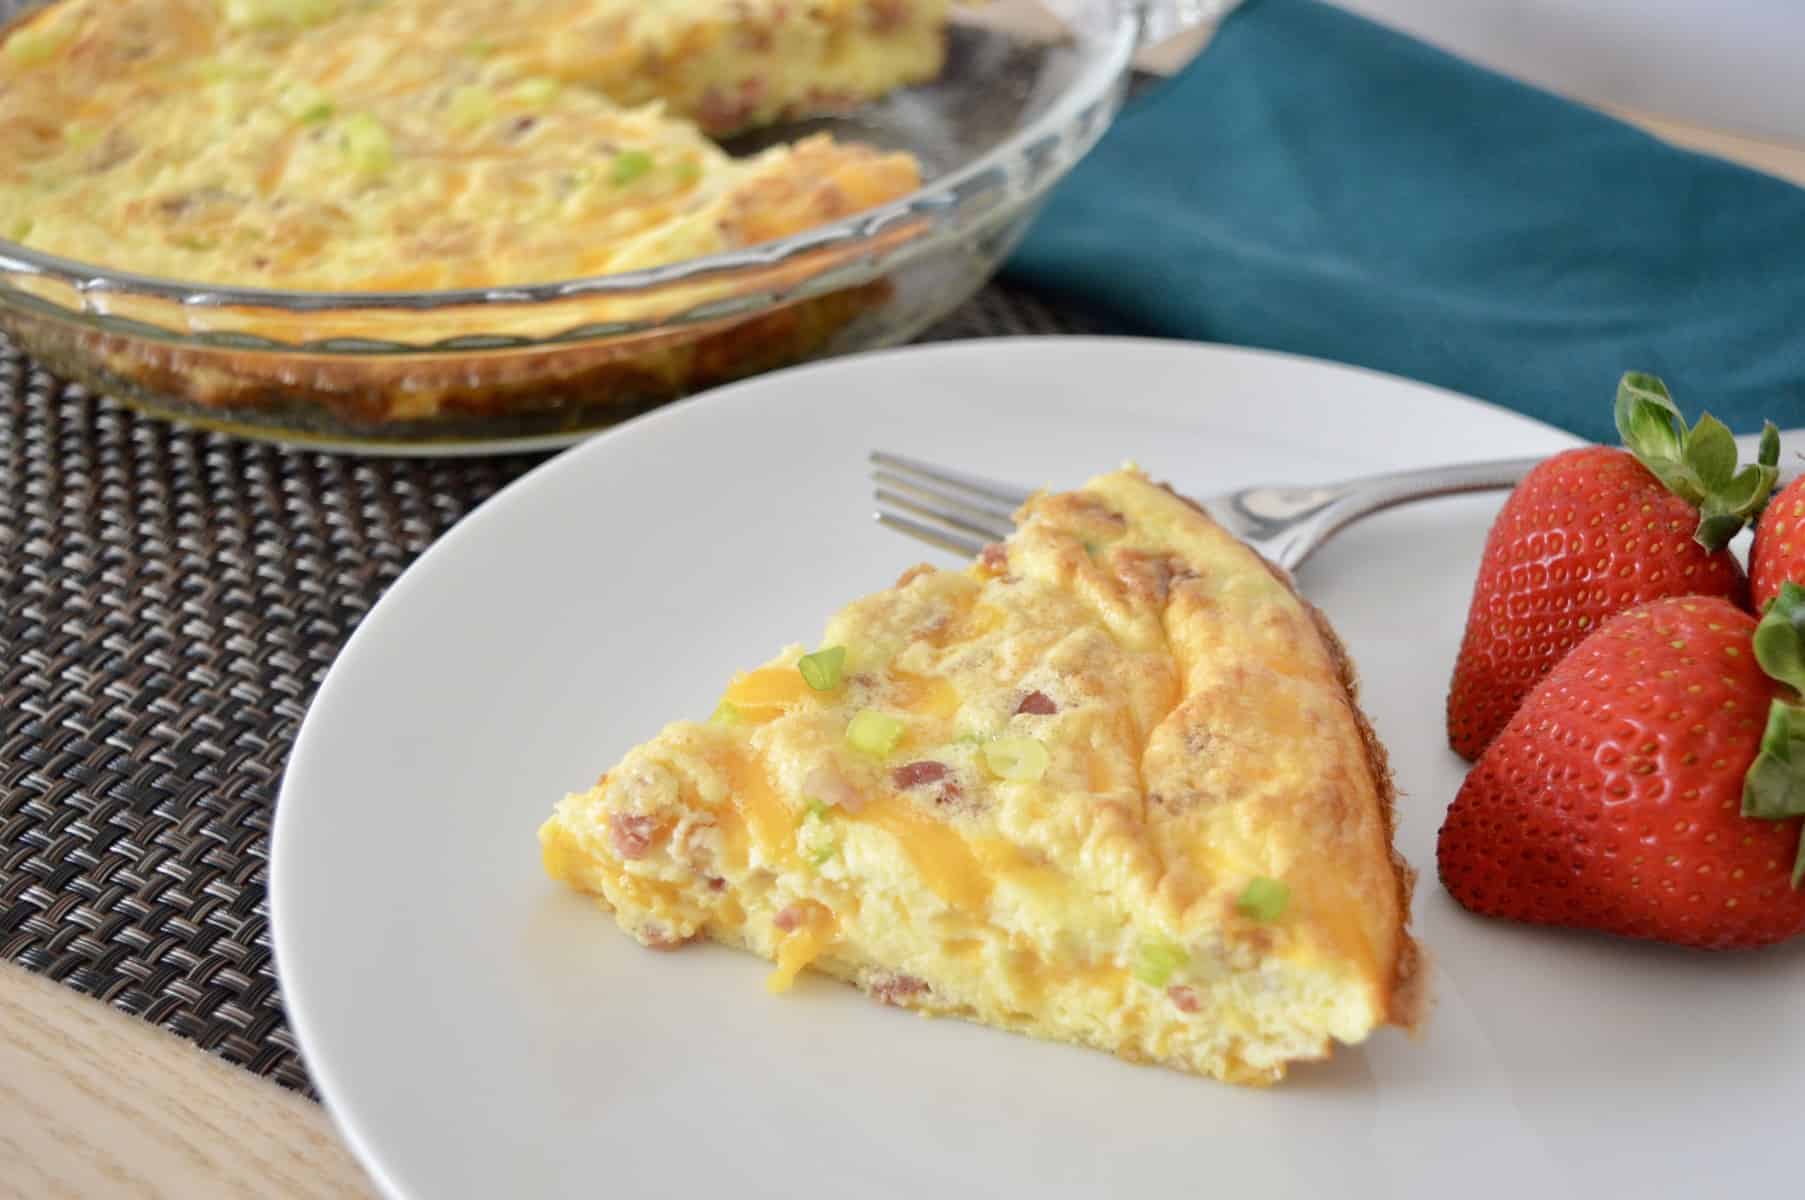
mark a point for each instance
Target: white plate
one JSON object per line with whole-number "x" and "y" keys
{"x": 477, "y": 1031}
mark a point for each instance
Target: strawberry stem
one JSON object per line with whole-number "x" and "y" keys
{"x": 1698, "y": 464}
{"x": 1774, "y": 788}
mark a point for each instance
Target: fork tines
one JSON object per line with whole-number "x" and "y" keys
{"x": 945, "y": 508}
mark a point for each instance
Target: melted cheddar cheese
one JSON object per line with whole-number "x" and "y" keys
{"x": 392, "y": 145}
{"x": 1079, "y": 758}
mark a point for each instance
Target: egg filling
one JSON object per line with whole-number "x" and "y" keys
{"x": 387, "y": 145}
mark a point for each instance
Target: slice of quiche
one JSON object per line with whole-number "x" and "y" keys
{"x": 1108, "y": 785}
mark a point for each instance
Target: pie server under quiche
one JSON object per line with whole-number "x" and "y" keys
{"x": 1109, "y": 785}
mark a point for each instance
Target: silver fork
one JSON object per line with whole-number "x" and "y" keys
{"x": 963, "y": 513}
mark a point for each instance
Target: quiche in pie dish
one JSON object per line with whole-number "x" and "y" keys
{"x": 356, "y": 146}
{"x": 390, "y": 145}
{"x": 1109, "y": 786}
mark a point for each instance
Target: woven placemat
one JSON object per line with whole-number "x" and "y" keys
{"x": 173, "y": 599}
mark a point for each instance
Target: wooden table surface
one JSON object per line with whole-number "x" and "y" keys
{"x": 97, "y": 1103}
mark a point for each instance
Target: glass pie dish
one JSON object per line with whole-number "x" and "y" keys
{"x": 539, "y": 365}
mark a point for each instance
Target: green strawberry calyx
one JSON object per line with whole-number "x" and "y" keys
{"x": 1697, "y": 464}
{"x": 1774, "y": 788}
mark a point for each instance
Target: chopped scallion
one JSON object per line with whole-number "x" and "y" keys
{"x": 630, "y": 165}
{"x": 306, "y": 103}
{"x": 367, "y": 144}
{"x": 265, "y": 14}
{"x": 469, "y": 106}
{"x": 725, "y": 713}
{"x": 1155, "y": 961}
{"x": 1264, "y": 899}
{"x": 874, "y": 733}
{"x": 1019, "y": 759}
{"x": 537, "y": 91}
{"x": 39, "y": 41}
{"x": 821, "y": 670}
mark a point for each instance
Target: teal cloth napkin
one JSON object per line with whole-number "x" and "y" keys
{"x": 1317, "y": 183}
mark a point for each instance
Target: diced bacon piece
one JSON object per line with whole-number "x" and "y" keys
{"x": 994, "y": 558}
{"x": 631, "y": 834}
{"x": 897, "y": 989}
{"x": 1037, "y": 704}
{"x": 657, "y": 937}
{"x": 916, "y": 774}
{"x": 1145, "y": 577}
{"x": 927, "y": 774}
{"x": 1184, "y": 999}
{"x": 790, "y": 918}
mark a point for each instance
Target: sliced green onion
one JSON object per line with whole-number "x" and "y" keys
{"x": 1264, "y": 899}
{"x": 38, "y": 43}
{"x": 264, "y": 14}
{"x": 821, "y": 670}
{"x": 630, "y": 165}
{"x": 725, "y": 713}
{"x": 1019, "y": 759}
{"x": 367, "y": 144}
{"x": 874, "y": 733}
{"x": 687, "y": 172}
{"x": 305, "y": 103}
{"x": 537, "y": 91}
{"x": 470, "y": 105}
{"x": 21, "y": 229}
{"x": 1155, "y": 961}
{"x": 479, "y": 47}
{"x": 821, "y": 853}
{"x": 812, "y": 807}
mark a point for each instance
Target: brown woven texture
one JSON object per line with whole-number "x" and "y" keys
{"x": 172, "y": 600}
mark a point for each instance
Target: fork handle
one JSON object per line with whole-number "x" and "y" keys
{"x": 1349, "y": 502}
{"x": 1378, "y": 492}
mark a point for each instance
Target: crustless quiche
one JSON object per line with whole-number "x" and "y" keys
{"x": 402, "y": 145}
{"x": 1109, "y": 785}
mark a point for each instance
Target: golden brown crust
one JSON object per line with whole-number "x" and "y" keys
{"x": 1405, "y": 999}
{"x": 554, "y": 386}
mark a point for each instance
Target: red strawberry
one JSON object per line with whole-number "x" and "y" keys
{"x": 1779, "y": 550}
{"x": 1592, "y": 532}
{"x": 1646, "y": 788}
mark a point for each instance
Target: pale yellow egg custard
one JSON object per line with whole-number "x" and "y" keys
{"x": 398, "y": 145}
{"x": 1109, "y": 785}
